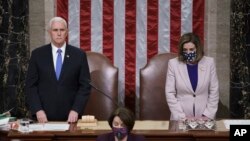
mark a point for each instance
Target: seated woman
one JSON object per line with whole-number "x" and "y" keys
{"x": 122, "y": 122}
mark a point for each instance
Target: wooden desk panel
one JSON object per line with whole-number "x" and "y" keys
{"x": 34, "y": 136}
{"x": 153, "y": 135}
{"x": 210, "y": 135}
{"x": 74, "y": 134}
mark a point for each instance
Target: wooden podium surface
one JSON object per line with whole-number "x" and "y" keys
{"x": 152, "y": 130}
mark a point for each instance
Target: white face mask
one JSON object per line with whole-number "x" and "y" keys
{"x": 190, "y": 57}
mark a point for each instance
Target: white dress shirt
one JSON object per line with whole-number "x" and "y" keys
{"x": 54, "y": 53}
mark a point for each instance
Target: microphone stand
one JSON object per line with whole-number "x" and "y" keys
{"x": 100, "y": 91}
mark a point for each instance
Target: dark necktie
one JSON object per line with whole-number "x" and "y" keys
{"x": 58, "y": 63}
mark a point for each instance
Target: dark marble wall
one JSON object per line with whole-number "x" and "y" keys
{"x": 240, "y": 59}
{"x": 14, "y": 53}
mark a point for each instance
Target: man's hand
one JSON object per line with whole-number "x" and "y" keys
{"x": 41, "y": 116}
{"x": 73, "y": 116}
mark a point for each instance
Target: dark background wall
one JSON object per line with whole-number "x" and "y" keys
{"x": 240, "y": 59}
{"x": 14, "y": 53}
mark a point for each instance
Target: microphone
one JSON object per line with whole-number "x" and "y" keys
{"x": 100, "y": 91}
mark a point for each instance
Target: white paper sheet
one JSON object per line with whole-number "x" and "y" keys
{"x": 49, "y": 127}
{"x": 227, "y": 123}
{"x": 4, "y": 121}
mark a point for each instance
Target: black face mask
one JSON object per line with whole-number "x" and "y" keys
{"x": 190, "y": 57}
{"x": 120, "y": 133}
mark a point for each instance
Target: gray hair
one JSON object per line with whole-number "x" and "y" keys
{"x": 57, "y": 19}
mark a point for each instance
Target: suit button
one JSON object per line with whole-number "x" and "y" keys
{"x": 194, "y": 95}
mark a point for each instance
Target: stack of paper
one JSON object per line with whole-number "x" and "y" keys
{"x": 227, "y": 123}
{"x": 5, "y": 118}
{"x": 4, "y": 121}
{"x": 49, "y": 127}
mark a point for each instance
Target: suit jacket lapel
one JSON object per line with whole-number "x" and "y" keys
{"x": 51, "y": 63}
{"x": 201, "y": 74}
{"x": 184, "y": 75}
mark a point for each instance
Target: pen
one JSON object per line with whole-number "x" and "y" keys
{"x": 7, "y": 112}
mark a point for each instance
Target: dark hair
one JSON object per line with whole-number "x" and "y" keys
{"x": 193, "y": 38}
{"x": 126, "y": 116}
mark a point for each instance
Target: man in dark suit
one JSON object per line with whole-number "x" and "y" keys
{"x": 56, "y": 83}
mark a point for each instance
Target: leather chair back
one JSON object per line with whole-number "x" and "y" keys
{"x": 104, "y": 76}
{"x": 153, "y": 104}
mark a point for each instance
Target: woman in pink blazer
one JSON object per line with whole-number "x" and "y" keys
{"x": 192, "y": 88}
